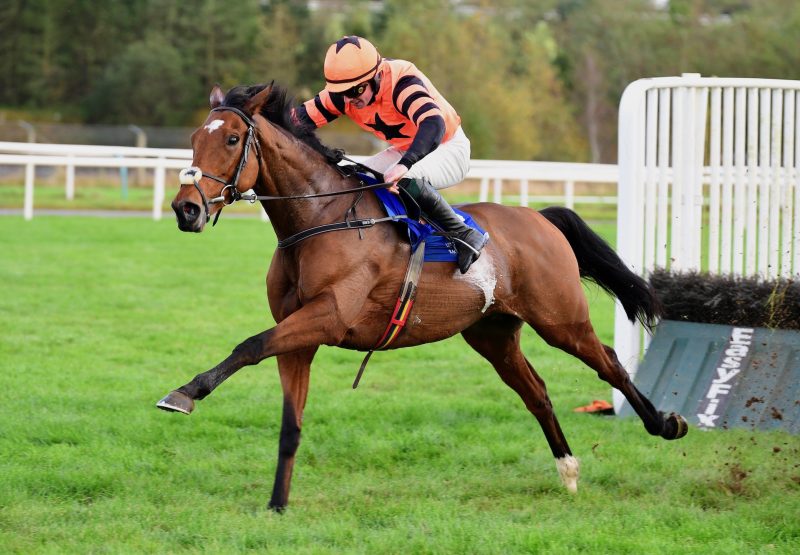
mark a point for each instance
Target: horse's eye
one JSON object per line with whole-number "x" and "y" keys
{"x": 233, "y": 139}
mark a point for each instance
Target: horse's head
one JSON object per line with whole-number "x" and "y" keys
{"x": 225, "y": 162}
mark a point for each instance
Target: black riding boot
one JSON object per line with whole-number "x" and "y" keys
{"x": 468, "y": 242}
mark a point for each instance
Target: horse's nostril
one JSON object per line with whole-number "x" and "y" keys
{"x": 188, "y": 214}
{"x": 191, "y": 211}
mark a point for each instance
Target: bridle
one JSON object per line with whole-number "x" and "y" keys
{"x": 192, "y": 176}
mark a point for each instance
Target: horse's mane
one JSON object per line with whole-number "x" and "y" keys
{"x": 278, "y": 109}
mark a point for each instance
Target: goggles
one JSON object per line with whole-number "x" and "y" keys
{"x": 356, "y": 91}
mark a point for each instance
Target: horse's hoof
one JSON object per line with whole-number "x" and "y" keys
{"x": 280, "y": 509}
{"x": 675, "y": 426}
{"x": 176, "y": 402}
{"x": 568, "y": 469}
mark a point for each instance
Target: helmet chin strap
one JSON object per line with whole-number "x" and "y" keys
{"x": 375, "y": 83}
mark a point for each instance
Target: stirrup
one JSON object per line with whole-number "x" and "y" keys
{"x": 468, "y": 254}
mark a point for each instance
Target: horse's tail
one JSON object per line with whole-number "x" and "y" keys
{"x": 599, "y": 263}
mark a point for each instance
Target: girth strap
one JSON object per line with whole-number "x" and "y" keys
{"x": 402, "y": 308}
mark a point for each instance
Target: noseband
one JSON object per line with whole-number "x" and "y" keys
{"x": 192, "y": 176}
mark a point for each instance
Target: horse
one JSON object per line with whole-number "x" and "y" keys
{"x": 339, "y": 288}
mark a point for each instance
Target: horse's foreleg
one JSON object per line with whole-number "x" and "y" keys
{"x": 497, "y": 340}
{"x": 581, "y": 341}
{"x": 294, "y": 370}
{"x": 309, "y": 327}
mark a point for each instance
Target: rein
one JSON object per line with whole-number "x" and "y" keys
{"x": 192, "y": 176}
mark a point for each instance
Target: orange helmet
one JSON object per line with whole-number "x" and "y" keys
{"x": 350, "y": 61}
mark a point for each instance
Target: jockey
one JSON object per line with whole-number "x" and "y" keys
{"x": 397, "y": 103}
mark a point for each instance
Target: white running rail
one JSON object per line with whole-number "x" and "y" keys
{"x": 495, "y": 172}
{"x": 31, "y": 155}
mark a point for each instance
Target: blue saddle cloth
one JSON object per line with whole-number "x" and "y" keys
{"x": 437, "y": 248}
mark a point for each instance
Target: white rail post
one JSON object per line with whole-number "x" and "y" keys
{"x": 158, "y": 189}
{"x": 627, "y": 336}
{"x": 776, "y": 185}
{"x": 740, "y": 183}
{"x": 795, "y": 172}
{"x": 764, "y": 183}
{"x": 498, "y": 190}
{"x": 569, "y": 194}
{"x": 70, "y": 186}
{"x": 651, "y": 115}
{"x": 27, "y": 211}
{"x": 484, "y": 191}
{"x": 789, "y": 162}
{"x": 752, "y": 173}
{"x": 523, "y": 192}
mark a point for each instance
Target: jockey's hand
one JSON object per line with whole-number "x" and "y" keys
{"x": 393, "y": 175}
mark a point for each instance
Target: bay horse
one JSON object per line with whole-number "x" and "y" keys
{"x": 339, "y": 288}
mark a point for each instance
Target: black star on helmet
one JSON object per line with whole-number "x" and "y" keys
{"x": 389, "y": 131}
{"x": 352, "y": 39}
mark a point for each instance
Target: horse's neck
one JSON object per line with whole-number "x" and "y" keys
{"x": 291, "y": 168}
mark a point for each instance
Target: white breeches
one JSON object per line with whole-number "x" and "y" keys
{"x": 446, "y": 166}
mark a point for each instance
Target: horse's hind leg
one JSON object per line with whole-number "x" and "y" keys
{"x": 580, "y": 340}
{"x": 497, "y": 340}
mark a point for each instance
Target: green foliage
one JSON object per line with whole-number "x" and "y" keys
{"x": 610, "y": 43}
{"x": 145, "y": 84}
{"x": 432, "y": 454}
{"x": 506, "y": 91}
{"x": 532, "y": 79}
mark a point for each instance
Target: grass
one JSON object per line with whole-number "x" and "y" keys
{"x": 432, "y": 454}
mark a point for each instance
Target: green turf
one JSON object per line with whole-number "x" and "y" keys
{"x": 99, "y": 318}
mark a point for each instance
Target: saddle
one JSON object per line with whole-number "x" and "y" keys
{"x": 438, "y": 248}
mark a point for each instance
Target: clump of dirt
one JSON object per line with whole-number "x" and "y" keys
{"x": 734, "y": 483}
{"x": 749, "y": 403}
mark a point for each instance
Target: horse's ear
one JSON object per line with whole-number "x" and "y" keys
{"x": 256, "y": 103}
{"x": 216, "y": 97}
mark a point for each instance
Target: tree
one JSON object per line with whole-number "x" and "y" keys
{"x": 552, "y": 115}
{"x": 504, "y": 86}
{"x": 27, "y": 45}
{"x": 279, "y": 48}
{"x": 531, "y": 78}
{"x": 144, "y": 85}
{"x": 188, "y": 48}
